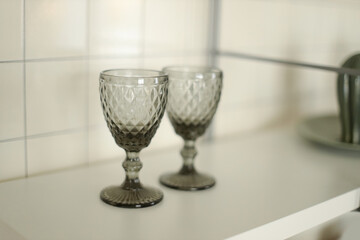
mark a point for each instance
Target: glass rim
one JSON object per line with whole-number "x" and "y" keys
{"x": 160, "y": 73}
{"x": 187, "y": 69}
{"x": 133, "y": 76}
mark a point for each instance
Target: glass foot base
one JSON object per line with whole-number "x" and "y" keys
{"x": 139, "y": 198}
{"x": 188, "y": 182}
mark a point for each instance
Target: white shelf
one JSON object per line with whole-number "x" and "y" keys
{"x": 270, "y": 185}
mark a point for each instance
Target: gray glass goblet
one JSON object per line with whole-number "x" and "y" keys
{"x": 194, "y": 94}
{"x": 133, "y": 103}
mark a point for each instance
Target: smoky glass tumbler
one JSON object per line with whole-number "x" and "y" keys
{"x": 194, "y": 94}
{"x": 133, "y": 103}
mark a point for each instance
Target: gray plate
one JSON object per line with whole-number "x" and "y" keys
{"x": 325, "y": 130}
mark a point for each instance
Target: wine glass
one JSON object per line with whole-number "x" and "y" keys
{"x": 133, "y": 103}
{"x": 194, "y": 94}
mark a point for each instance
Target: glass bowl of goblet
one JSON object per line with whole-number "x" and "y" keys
{"x": 194, "y": 94}
{"x": 133, "y": 103}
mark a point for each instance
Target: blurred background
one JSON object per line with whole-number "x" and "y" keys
{"x": 51, "y": 53}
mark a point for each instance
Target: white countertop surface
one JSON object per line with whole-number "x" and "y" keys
{"x": 270, "y": 185}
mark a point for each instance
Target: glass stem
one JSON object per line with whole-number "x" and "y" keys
{"x": 132, "y": 166}
{"x": 188, "y": 152}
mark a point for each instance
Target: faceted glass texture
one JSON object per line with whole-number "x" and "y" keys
{"x": 133, "y": 103}
{"x": 194, "y": 94}
{"x": 193, "y": 99}
{"x": 133, "y": 113}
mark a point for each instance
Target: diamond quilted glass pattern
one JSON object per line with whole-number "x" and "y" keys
{"x": 133, "y": 102}
{"x": 133, "y": 113}
{"x": 194, "y": 94}
{"x": 192, "y": 104}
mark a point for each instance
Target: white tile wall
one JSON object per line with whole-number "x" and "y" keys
{"x": 160, "y": 62}
{"x": 50, "y": 153}
{"x": 257, "y": 95}
{"x": 310, "y": 31}
{"x": 250, "y": 81}
{"x": 165, "y": 26}
{"x": 197, "y": 25}
{"x": 56, "y": 96}
{"x": 102, "y": 145}
{"x": 11, "y": 100}
{"x": 64, "y": 122}
{"x": 200, "y": 60}
{"x": 12, "y": 160}
{"x": 247, "y": 117}
{"x": 176, "y": 26}
{"x": 56, "y": 28}
{"x": 254, "y": 26}
{"x": 11, "y": 28}
{"x": 115, "y": 27}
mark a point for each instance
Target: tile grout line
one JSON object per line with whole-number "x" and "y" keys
{"x": 187, "y": 6}
{"x": 51, "y": 134}
{"x": 101, "y": 57}
{"x": 87, "y": 95}
{"x": 11, "y": 61}
{"x": 11, "y": 139}
{"x": 56, "y": 133}
{"x": 213, "y": 38}
{"x": 213, "y": 35}
{"x": 143, "y": 33}
{"x": 24, "y": 91}
{"x": 304, "y": 65}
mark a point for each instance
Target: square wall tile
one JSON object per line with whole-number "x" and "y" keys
{"x": 347, "y": 17}
{"x": 56, "y": 95}
{"x": 165, "y": 26}
{"x": 11, "y": 100}
{"x": 317, "y": 104}
{"x": 248, "y": 117}
{"x": 249, "y": 81}
{"x": 55, "y": 28}
{"x": 158, "y": 63}
{"x": 197, "y": 25}
{"x": 12, "y": 160}
{"x": 254, "y": 26}
{"x": 239, "y": 81}
{"x": 96, "y": 117}
{"x": 56, "y": 152}
{"x": 307, "y": 31}
{"x": 102, "y": 145}
{"x": 165, "y": 137}
{"x": 260, "y": 95}
{"x": 306, "y": 80}
{"x": 252, "y": 82}
{"x": 115, "y": 27}
{"x": 11, "y": 28}
{"x": 200, "y": 60}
